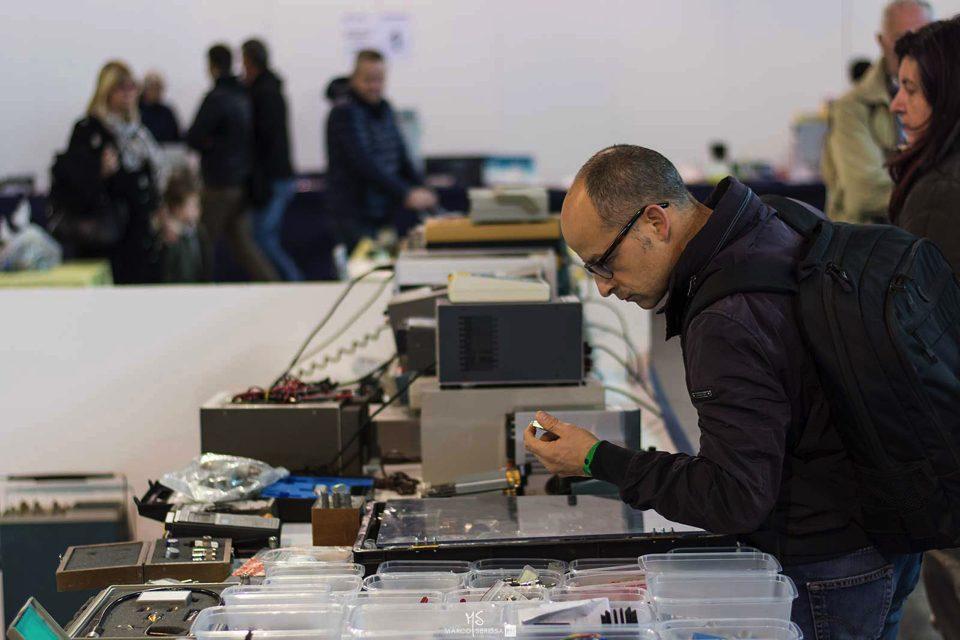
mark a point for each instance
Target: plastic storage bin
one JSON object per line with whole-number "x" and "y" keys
{"x": 749, "y": 562}
{"x": 276, "y": 623}
{"x": 476, "y": 595}
{"x": 591, "y": 565}
{"x": 586, "y": 579}
{"x": 613, "y": 592}
{"x": 336, "y": 584}
{"x": 519, "y": 563}
{"x": 424, "y": 566}
{"x": 730, "y": 630}
{"x": 314, "y": 569}
{"x": 425, "y": 622}
{"x": 615, "y": 627}
{"x": 486, "y": 578}
{"x": 720, "y": 596}
{"x": 305, "y": 554}
{"x": 259, "y": 595}
{"x": 413, "y": 582}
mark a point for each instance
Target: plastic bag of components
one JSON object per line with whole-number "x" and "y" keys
{"x": 218, "y": 478}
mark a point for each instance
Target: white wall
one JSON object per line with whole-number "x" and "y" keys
{"x": 557, "y": 78}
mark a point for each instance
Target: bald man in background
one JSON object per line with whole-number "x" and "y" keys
{"x": 863, "y": 132}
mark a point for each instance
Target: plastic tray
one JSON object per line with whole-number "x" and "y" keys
{"x": 730, "y": 630}
{"x": 721, "y": 596}
{"x": 314, "y": 569}
{"x": 750, "y": 562}
{"x": 266, "y": 596}
{"x": 643, "y": 628}
{"x": 421, "y": 566}
{"x": 486, "y": 578}
{"x": 591, "y": 565}
{"x": 388, "y": 596}
{"x": 305, "y": 554}
{"x": 426, "y": 621}
{"x": 414, "y": 582}
{"x": 476, "y": 595}
{"x": 634, "y": 578}
{"x": 336, "y": 584}
{"x": 613, "y": 592}
{"x": 321, "y": 622}
{"x": 519, "y": 563}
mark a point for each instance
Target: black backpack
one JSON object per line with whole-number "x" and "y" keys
{"x": 880, "y": 312}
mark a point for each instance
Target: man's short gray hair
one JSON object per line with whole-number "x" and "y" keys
{"x": 893, "y": 5}
{"x": 622, "y": 178}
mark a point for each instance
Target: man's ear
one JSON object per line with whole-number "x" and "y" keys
{"x": 659, "y": 222}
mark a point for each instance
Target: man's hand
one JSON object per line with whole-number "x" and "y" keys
{"x": 563, "y": 455}
{"x": 420, "y": 198}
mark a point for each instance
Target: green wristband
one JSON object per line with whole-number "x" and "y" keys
{"x": 589, "y": 459}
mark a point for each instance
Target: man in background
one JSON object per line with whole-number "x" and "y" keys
{"x": 371, "y": 179}
{"x": 157, "y": 116}
{"x": 863, "y": 132}
{"x": 272, "y": 184}
{"x": 223, "y": 134}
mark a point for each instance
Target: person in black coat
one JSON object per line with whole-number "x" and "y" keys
{"x": 105, "y": 187}
{"x": 272, "y": 182}
{"x": 223, "y": 134}
{"x": 155, "y": 114}
{"x": 370, "y": 177}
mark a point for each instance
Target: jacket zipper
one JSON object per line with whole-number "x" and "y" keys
{"x": 692, "y": 283}
{"x": 899, "y": 285}
{"x": 838, "y": 276}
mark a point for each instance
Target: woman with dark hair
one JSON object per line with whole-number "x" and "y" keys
{"x": 926, "y": 195}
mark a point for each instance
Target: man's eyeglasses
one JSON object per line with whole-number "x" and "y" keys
{"x": 599, "y": 266}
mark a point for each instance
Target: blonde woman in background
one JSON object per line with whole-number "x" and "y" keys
{"x": 105, "y": 187}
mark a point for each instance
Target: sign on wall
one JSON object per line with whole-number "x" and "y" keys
{"x": 388, "y": 33}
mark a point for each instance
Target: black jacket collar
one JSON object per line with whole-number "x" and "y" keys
{"x": 734, "y": 207}
{"x": 376, "y": 110}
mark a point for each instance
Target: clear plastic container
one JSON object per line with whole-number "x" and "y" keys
{"x": 730, "y": 630}
{"x": 476, "y": 595}
{"x": 426, "y": 621}
{"x": 726, "y": 562}
{"x": 519, "y": 563}
{"x": 414, "y": 582}
{"x": 486, "y": 578}
{"x": 721, "y": 596}
{"x": 641, "y": 623}
{"x": 424, "y": 566}
{"x": 336, "y": 584}
{"x": 320, "y": 622}
{"x": 736, "y": 549}
{"x": 635, "y": 578}
{"x": 602, "y": 632}
{"x": 239, "y": 595}
{"x": 613, "y": 592}
{"x": 305, "y": 554}
{"x": 590, "y": 565}
{"x": 389, "y": 596}
{"x": 314, "y": 569}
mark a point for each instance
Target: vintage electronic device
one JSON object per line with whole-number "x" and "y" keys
{"x": 432, "y": 267}
{"x": 497, "y": 526}
{"x": 95, "y": 566}
{"x": 42, "y": 515}
{"x": 508, "y": 204}
{"x": 462, "y": 429}
{"x": 398, "y": 434}
{"x": 510, "y": 343}
{"x": 463, "y": 232}
{"x": 204, "y": 559}
{"x": 413, "y": 320}
{"x": 33, "y": 622}
{"x": 133, "y": 612}
{"x": 246, "y": 532}
{"x": 299, "y": 437}
{"x": 618, "y": 425}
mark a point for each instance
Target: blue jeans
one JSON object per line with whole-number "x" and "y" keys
{"x": 267, "y": 223}
{"x": 859, "y": 595}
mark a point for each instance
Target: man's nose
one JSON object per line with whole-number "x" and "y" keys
{"x": 604, "y": 285}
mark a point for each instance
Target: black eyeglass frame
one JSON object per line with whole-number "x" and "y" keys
{"x": 599, "y": 266}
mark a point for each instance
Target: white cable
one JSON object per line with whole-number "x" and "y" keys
{"x": 327, "y": 359}
{"x": 654, "y": 411}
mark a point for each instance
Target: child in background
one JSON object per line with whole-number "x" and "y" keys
{"x": 182, "y": 256}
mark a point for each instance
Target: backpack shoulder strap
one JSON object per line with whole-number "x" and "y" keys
{"x": 796, "y": 214}
{"x": 769, "y": 275}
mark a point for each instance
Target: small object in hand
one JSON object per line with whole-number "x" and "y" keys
{"x": 543, "y": 433}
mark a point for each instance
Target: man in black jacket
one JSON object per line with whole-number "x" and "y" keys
{"x": 771, "y": 466}
{"x": 371, "y": 180}
{"x": 223, "y": 134}
{"x": 273, "y": 185}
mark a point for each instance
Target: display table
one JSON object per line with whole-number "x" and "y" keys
{"x": 74, "y": 273}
